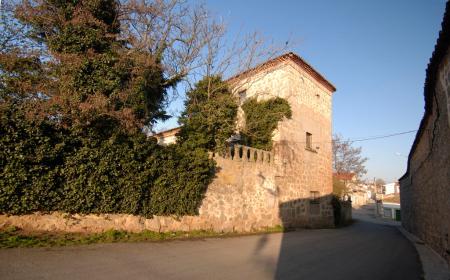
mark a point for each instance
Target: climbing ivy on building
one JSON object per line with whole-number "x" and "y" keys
{"x": 261, "y": 119}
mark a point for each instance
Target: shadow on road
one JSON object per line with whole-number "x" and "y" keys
{"x": 362, "y": 250}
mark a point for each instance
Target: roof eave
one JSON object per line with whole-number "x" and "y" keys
{"x": 275, "y": 61}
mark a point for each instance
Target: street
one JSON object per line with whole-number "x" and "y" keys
{"x": 361, "y": 251}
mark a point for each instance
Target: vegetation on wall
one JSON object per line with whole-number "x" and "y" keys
{"x": 48, "y": 169}
{"x": 210, "y": 113}
{"x": 261, "y": 119}
{"x": 73, "y": 101}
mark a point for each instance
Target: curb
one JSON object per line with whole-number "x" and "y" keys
{"x": 433, "y": 265}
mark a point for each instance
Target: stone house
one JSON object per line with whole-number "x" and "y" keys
{"x": 425, "y": 187}
{"x": 302, "y": 144}
{"x": 292, "y": 183}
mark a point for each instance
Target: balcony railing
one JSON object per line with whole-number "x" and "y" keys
{"x": 246, "y": 154}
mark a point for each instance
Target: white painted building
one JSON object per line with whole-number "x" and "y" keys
{"x": 391, "y": 188}
{"x": 391, "y": 211}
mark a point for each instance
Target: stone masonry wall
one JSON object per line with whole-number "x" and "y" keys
{"x": 425, "y": 192}
{"x": 300, "y": 171}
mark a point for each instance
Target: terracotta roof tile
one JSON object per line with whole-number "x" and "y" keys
{"x": 275, "y": 61}
{"x": 344, "y": 176}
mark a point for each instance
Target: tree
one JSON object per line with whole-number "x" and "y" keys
{"x": 339, "y": 187}
{"x": 72, "y": 106}
{"x": 346, "y": 158}
{"x": 95, "y": 76}
{"x": 117, "y": 60}
{"x": 380, "y": 182}
{"x": 209, "y": 118}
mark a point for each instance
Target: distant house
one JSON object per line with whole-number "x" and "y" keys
{"x": 391, "y": 188}
{"x": 425, "y": 187}
{"x": 345, "y": 177}
{"x": 359, "y": 193}
{"x": 167, "y": 137}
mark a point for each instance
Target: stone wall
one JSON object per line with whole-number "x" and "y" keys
{"x": 243, "y": 197}
{"x": 346, "y": 212}
{"x": 425, "y": 189}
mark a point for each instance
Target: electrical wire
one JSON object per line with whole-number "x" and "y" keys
{"x": 361, "y": 139}
{"x": 382, "y": 136}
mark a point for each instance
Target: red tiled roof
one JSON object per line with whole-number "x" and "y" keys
{"x": 168, "y": 132}
{"x": 344, "y": 176}
{"x": 288, "y": 56}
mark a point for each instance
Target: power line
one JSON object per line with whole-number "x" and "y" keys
{"x": 362, "y": 139}
{"x": 382, "y": 136}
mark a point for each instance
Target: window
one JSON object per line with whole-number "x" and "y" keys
{"x": 309, "y": 141}
{"x": 242, "y": 97}
{"x": 314, "y": 203}
{"x": 314, "y": 196}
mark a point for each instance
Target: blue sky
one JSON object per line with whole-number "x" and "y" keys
{"x": 374, "y": 52}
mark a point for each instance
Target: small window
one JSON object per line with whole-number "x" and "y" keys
{"x": 314, "y": 196}
{"x": 308, "y": 140}
{"x": 242, "y": 97}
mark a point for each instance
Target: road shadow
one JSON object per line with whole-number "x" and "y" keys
{"x": 318, "y": 245}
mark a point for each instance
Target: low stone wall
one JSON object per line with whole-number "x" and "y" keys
{"x": 346, "y": 212}
{"x": 242, "y": 197}
{"x": 307, "y": 213}
{"x": 63, "y": 222}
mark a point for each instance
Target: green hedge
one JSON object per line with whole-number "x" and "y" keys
{"x": 48, "y": 169}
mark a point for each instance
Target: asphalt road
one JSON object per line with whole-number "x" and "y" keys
{"x": 360, "y": 251}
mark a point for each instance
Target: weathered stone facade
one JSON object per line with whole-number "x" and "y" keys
{"x": 290, "y": 185}
{"x": 301, "y": 171}
{"x": 425, "y": 188}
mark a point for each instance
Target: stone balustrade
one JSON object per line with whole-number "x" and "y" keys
{"x": 246, "y": 154}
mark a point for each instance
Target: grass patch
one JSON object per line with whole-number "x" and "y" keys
{"x": 14, "y": 237}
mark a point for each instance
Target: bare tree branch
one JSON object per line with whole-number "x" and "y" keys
{"x": 347, "y": 159}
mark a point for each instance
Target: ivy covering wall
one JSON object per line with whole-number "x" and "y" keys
{"x": 46, "y": 169}
{"x": 261, "y": 119}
